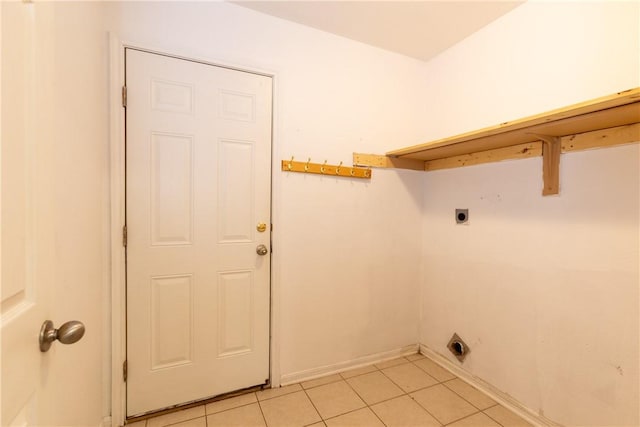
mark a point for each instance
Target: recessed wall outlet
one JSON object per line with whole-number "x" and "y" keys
{"x": 462, "y": 216}
{"x": 458, "y": 347}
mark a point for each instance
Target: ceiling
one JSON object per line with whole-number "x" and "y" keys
{"x": 419, "y": 29}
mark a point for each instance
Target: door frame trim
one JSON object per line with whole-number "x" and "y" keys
{"x": 117, "y": 210}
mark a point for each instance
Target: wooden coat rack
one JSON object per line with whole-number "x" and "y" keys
{"x": 325, "y": 169}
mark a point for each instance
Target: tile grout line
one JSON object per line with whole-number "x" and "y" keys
{"x": 404, "y": 393}
{"x": 376, "y": 414}
{"x": 439, "y": 381}
{"x": 364, "y": 401}
{"x": 399, "y": 386}
{"x": 423, "y": 408}
{"x": 231, "y": 409}
{"x": 313, "y": 404}
{"x": 463, "y": 418}
{"x": 275, "y": 397}
{"x": 237, "y": 407}
{"x": 409, "y": 395}
{"x": 393, "y": 366}
{"x": 433, "y": 385}
{"x": 462, "y": 397}
{"x": 320, "y": 385}
{"x": 262, "y": 412}
{"x": 181, "y": 421}
{"x": 467, "y": 400}
{"x": 352, "y": 411}
{"x": 488, "y": 415}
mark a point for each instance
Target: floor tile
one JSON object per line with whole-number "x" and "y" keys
{"x": 361, "y": 418}
{"x": 475, "y": 420}
{"x": 433, "y": 369}
{"x": 196, "y": 422}
{"x": 409, "y": 377}
{"x": 414, "y": 357}
{"x": 403, "y": 412}
{"x": 443, "y": 404}
{"x": 290, "y": 410}
{"x": 176, "y": 417}
{"x": 334, "y": 399}
{"x": 321, "y": 381}
{"x": 506, "y": 417}
{"x": 392, "y": 362}
{"x": 374, "y": 387}
{"x": 230, "y": 403}
{"x": 436, "y": 397}
{"x": 470, "y": 394}
{"x": 358, "y": 371}
{"x": 269, "y": 393}
{"x": 244, "y": 416}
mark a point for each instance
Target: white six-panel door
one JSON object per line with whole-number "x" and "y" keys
{"x": 198, "y": 185}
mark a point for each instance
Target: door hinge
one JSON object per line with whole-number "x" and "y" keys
{"x": 124, "y": 236}
{"x": 124, "y": 96}
{"x": 124, "y": 371}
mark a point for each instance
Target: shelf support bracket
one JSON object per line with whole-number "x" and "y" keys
{"x": 551, "y": 149}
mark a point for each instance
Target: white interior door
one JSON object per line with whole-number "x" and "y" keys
{"x": 24, "y": 305}
{"x": 23, "y": 302}
{"x": 27, "y": 224}
{"x": 198, "y": 186}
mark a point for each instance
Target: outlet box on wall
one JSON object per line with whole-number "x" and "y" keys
{"x": 462, "y": 216}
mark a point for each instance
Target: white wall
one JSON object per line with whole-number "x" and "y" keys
{"x": 347, "y": 267}
{"x": 543, "y": 289}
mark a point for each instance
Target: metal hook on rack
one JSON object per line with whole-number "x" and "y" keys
{"x": 306, "y": 167}
{"x": 322, "y": 168}
{"x": 338, "y": 169}
{"x": 290, "y": 163}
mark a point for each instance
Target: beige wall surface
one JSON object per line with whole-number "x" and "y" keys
{"x": 544, "y": 290}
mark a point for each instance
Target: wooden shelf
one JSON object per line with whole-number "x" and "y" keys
{"x": 602, "y": 122}
{"x": 612, "y": 111}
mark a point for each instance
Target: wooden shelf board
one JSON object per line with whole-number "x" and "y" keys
{"x": 603, "y": 122}
{"x": 616, "y": 110}
{"x": 584, "y": 141}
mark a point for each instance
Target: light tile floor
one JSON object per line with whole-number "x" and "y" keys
{"x": 410, "y": 391}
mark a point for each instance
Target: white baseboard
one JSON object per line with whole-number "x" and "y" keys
{"x": 499, "y": 396}
{"x": 106, "y": 422}
{"x": 310, "y": 374}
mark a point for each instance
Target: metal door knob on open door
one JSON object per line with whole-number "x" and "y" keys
{"x": 262, "y": 250}
{"x": 68, "y": 333}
